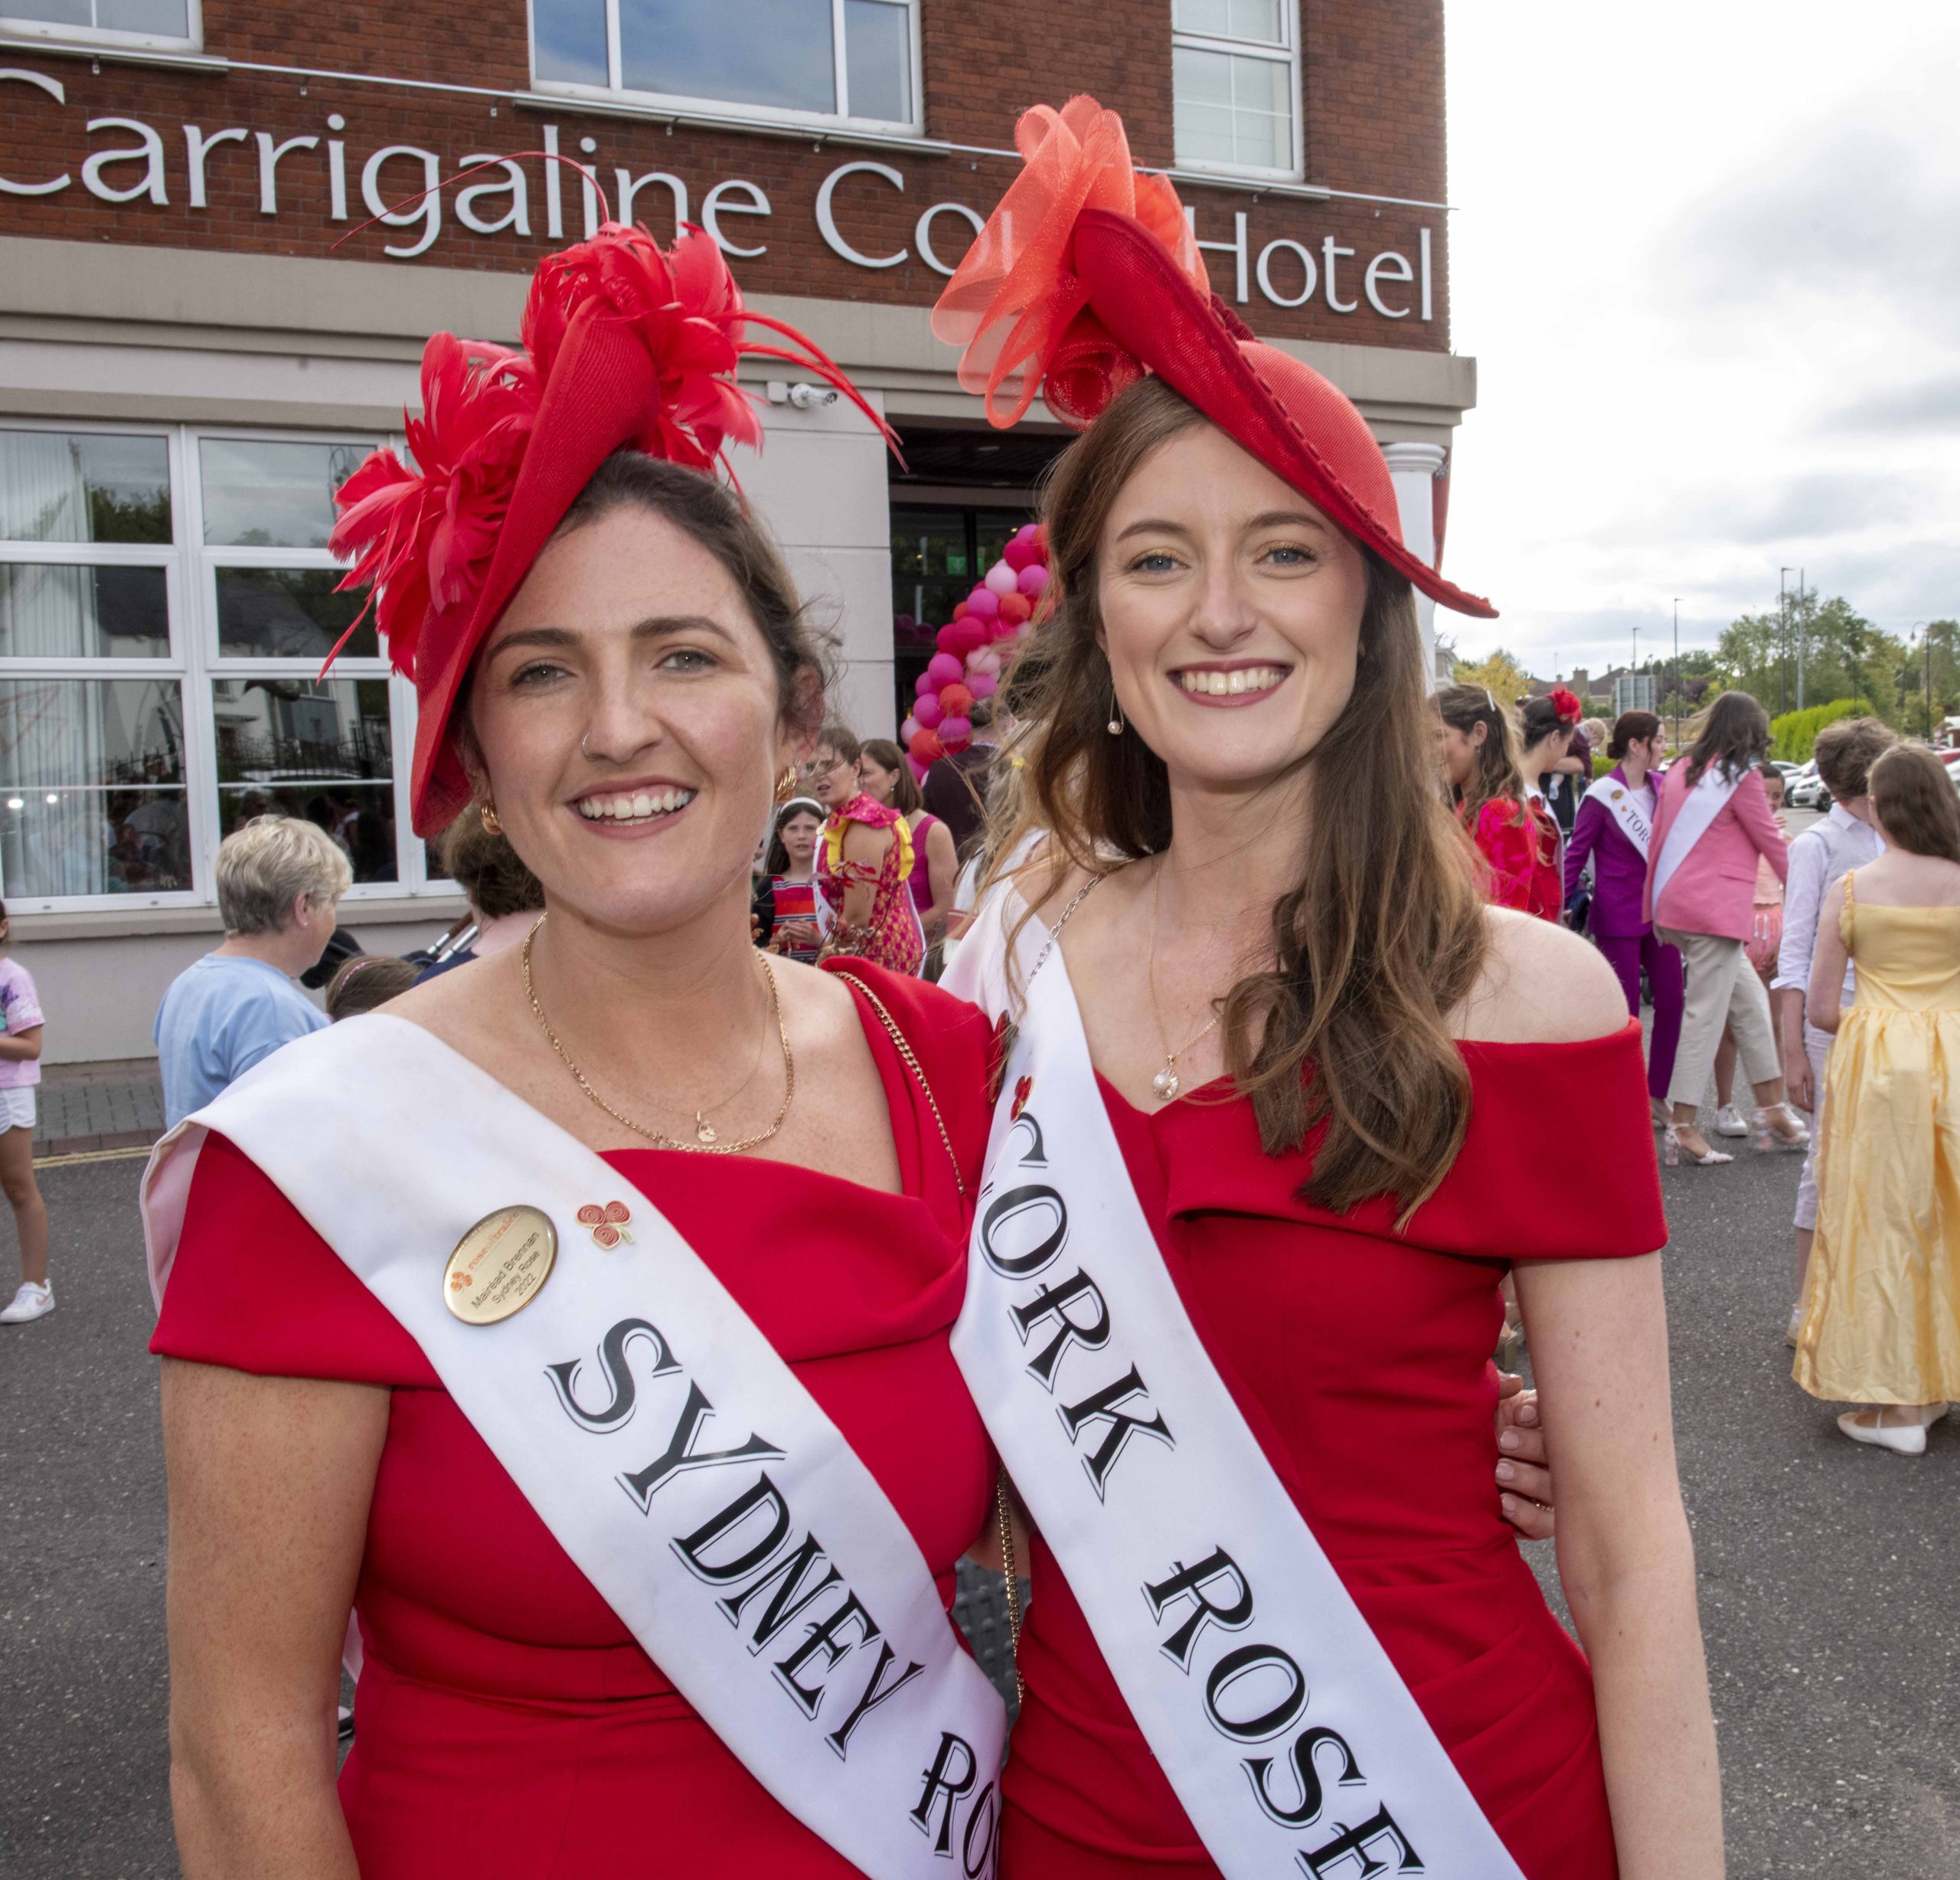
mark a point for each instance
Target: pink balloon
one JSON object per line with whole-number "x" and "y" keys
{"x": 955, "y": 732}
{"x": 973, "y": 634}
{"x": 912, "y": 728}
{"x": 1033, "y": 579}
{"x": 1027, "y": 532}
{"x": 1000, "y": 578}
{"x": 924, "y": 684}
{"x": 982, "y": 684}
{"x": 985, "y": 660}
{"x": 984, "y": 602}
{"x": 928, "y": 713}
{"x": 943, "y": 669}
{"x": 1018, "y": 553}
{"x": 948, "y": 637}
{"x": 917, "y": 768}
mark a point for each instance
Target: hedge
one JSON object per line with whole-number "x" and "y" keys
{"x": 1793, "y": 737}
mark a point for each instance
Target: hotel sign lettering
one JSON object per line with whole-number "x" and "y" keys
{"x": 128, "y": 160}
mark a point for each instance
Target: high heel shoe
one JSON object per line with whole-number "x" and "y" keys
{"x": 1767, "y": 1139}
{"x": 1673, "y": 1151}
{"x": 1906, "y": 1437}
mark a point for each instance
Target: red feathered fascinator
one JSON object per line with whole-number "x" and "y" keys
{"x": 625, "y": 346}
{"x": 1565, "y": 702}
{"x": 1087, "y": 276}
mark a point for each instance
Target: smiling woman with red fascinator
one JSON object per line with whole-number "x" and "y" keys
{"x": 1269, "y": 1136}
{"x": 476, "y": 1316}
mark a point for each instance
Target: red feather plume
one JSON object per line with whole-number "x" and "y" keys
{"x": 1566, "y": 703}
{"x": 423, "y": 538}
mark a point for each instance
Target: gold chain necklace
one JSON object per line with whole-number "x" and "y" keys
{"x": 1166, "y": 1083}
{"x": 706, "y": 1145}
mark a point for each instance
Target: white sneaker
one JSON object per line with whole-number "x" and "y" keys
{"x": 32, "y": 1301}
{"x": 1729, "y": 1121}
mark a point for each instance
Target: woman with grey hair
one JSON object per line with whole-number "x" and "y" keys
{"x": 279, "y": 881}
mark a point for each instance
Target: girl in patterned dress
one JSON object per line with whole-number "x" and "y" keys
{"x": 864, "y": 863}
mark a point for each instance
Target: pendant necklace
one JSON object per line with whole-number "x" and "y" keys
{"x": 707, "y": 1141}
{"x": 1166, "y": 1083}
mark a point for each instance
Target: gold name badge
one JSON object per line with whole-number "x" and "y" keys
{"x": 499, "y": 1265}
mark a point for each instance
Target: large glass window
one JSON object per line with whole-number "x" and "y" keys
{"x": 166, "y": 600}
{"x": 116, "y": 22}
{"x": 1236, "y": 85}
{"x": 801, "y": 60}
{"x": 936, "y": 556}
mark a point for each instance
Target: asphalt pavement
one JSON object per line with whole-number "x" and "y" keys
{"x": 1828, "y": 1572}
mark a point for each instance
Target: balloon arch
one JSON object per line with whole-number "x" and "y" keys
{"x": 974, "y": 648}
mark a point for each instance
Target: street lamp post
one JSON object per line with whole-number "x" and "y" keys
{"x": 1633, "y": 671}
{"x": 1677, "y": 672}
{"x": 1783, "y": 642}
{"x": 1924, "y": 628}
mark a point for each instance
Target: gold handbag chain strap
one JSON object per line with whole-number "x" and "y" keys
{"x": 1004, "y": 1514}
{"x": 903, "y": 1045}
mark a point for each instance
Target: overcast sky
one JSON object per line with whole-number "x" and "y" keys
{"x": 1707, "y": 254}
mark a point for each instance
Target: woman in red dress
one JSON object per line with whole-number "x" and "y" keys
{"x": 1327, "y": 1065}
{"x": 617, "y": 678}
{"x": 1512, "y": 830}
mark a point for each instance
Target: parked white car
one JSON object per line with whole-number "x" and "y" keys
{"x": 1805, "y": 789}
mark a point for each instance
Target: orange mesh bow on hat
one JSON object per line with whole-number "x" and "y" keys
{"x": 1087, "y": 276}
{"x": 1014, "y": 305}
{"x": 626, "y": 346}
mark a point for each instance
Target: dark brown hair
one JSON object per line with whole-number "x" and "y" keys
{"x": 488, "y": 869}
{"x": 1384, "y": 933}
{"x": 1463, "y": 708}
{"x": 1631, "y": 728}
{"x": 777, "y": 861}
{"x": 1734, "y": 737}
{"x": 1913, "y": 797}
{"x": 1845, "y": 751}
{"x": 716, "y": 517}
{"x": 367, "y": 981}
{"x": 841, "y": 739}
{"x": 905, "y": 797}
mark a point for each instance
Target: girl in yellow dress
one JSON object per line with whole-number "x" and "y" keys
{"x": 1881, "y": 1308}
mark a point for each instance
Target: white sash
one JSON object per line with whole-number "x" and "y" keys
{"x": 1703, "y": 805}
{"x": 1290, "y": 1739}
{"x": 1628, "y": 809}
{"x": 728, "y": 1523}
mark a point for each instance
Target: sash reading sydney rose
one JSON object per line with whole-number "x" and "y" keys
{"x": 1289, "y": 1738}
{"x": 659, "y": 1435}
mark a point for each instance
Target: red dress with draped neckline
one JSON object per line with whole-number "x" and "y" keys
{"x": 508, "y": 1725}
{"x": 1361, "y": 1359}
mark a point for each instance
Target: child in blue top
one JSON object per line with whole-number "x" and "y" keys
{"x": 20, "y": 1073}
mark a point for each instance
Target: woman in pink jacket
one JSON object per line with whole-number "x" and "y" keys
{"x": 1712, "y": 821}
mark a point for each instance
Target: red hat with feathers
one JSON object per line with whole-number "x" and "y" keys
{"x": 1087, "y": 276}
{"x": 625, "y": 346}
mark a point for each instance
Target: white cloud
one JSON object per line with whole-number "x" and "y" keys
{"x": 1705, "y": 258}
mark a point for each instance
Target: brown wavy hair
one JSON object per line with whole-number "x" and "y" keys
{"x": 1463, "y": 708}
{"x": 1383, "y": 933}
{"x": 1913, "y": 800}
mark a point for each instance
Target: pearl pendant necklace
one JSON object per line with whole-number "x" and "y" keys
{"x": 1166, "y": 1083}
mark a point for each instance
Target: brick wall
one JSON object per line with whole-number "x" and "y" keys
{"x": 1373, "y": 74}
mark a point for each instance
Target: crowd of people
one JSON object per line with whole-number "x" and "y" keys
{"x": 1256, "y": 989}
{"x": 1742, "y": 943}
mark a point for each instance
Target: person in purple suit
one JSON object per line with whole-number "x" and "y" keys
{"x": 1614, "y": 825}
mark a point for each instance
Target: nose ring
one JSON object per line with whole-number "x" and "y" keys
{"x": 585, "y": 746}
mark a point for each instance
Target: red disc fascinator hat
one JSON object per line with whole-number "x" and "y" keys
{"x": 1087, "y": 276}
{"x": 624, "y": 345}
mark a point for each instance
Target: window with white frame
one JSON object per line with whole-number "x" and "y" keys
{"x": 164, "y": 24}
{"x": 813, "y": 61}
{"x": 1235, "y": 68}
{"x": 166, "y": 599}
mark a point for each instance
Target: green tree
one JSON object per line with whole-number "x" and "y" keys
{"x": 1498, "y": 672}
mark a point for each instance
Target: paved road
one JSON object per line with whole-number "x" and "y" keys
{"x": 1828, "y": 1572}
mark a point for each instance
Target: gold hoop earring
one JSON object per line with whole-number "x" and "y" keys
{"x": 785, "y": 784}
{"x": 487, "y": 811}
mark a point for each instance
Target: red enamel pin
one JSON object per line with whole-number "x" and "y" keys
{"x": 608, "y": 1224}
{"x": 1021, "y": 1091}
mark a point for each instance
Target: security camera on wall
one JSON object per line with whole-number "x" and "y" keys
{"x": 805, "y": 398}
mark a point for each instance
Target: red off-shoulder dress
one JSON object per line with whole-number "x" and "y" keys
{"x": 1361, "y": 1358}
{"x": 507, "y": 1726}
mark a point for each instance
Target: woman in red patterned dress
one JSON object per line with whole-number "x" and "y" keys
{"x": 1325, "y": 1065}
{"x": 865, "y": 863}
